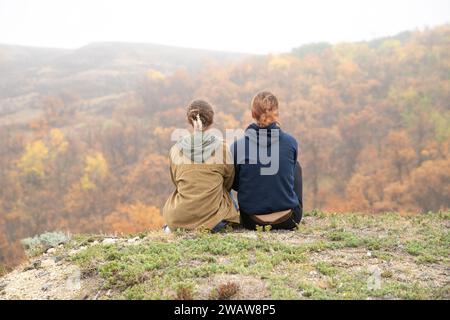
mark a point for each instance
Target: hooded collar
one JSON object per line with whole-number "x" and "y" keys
{"x": 199, "y": 146}
{"x": 263, "y": 136}
{"x": 272, "y": 126}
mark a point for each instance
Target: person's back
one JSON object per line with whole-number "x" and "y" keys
{"x": 202, "y": 173}
{"x": 265, "y": 193}
{"x": 267, "y": 174}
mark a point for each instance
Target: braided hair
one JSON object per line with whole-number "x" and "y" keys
{"x": 200, "y": 115}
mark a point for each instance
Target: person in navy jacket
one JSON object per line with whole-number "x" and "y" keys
{"x": 268, "y": 175}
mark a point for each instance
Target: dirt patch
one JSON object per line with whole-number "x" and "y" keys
{"x": 287, "y": 237}
{"x": 431, "y": 275}
{"x": 250, "y": 288}
{"x": 46, "y": 280}
{"x": 345, "y": 258}
{"x": 401, "y": 267}
{"x": 294, "y": 238}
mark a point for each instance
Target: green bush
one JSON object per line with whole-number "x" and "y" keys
{"x": 38, "y": 244}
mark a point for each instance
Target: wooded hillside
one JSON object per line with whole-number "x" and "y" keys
{"x": 84, "y": 134}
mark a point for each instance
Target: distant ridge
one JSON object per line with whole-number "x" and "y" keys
{"x": 27, "y": 69}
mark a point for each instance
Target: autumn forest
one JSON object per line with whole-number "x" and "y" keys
{"x": 84, "y": 134}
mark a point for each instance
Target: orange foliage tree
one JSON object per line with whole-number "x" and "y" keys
{"x": 134, "y": 218}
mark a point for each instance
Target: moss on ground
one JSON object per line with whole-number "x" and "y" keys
{"x": 330, "y": 256}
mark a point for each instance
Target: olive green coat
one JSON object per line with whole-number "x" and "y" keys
{"x": 202, "y": 195}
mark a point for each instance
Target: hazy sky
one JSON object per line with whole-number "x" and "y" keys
{"x": 258, "y": 26}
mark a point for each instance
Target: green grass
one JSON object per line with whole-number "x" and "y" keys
{"x": 326, "y": 268}
{"x": 329, "y": 257}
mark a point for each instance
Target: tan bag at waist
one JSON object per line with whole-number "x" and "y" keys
{"x": 272, "y": 218}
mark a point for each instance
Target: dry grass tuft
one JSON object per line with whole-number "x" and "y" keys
{"x": 225, "y": 291}
{"x": 184, "y": 293}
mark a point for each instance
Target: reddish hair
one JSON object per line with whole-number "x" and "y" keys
{"x": 265, "y": 109}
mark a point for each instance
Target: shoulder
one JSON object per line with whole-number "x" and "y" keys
{"x": 238, "y": 142}
{"x": 174, "y": 149}
{"x": 174, "y": 153}
{"x": 220, "y": 143}
{"x": 289, "y": 139}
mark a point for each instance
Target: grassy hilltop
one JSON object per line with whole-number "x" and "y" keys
{"x": 350, "y": 256}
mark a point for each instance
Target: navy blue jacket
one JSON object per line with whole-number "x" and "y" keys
{"x": 258, "y": 193}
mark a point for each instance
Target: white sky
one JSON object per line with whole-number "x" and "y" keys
{"x": 258, "y": 26}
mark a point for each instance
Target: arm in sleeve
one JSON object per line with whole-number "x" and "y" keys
{"x": 172, "y": 167}
{"x": 235, "y": 185}
{"x": 298, "y": 183}
{"x": 298, "y": 178}
{"x": 229, "y": 174}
